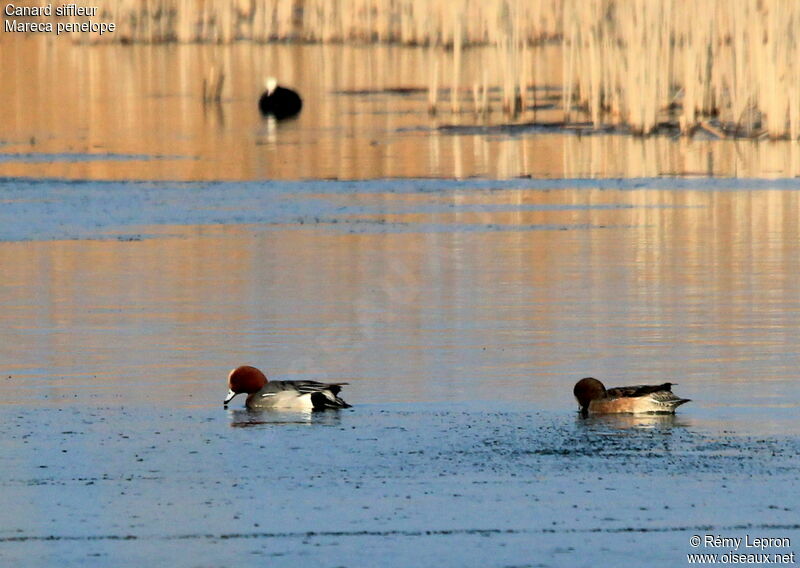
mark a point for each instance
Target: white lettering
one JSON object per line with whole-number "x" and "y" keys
{"x": 766, "y": 542}
{"x": 96, "y": 27}
{"x": 716, "y": 541}
{"x": 75, "y": 10}
{"x": 12, "y": 10}
{"x": 15, "y": 26}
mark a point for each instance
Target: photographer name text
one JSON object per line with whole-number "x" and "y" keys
{"x": 735, "y": 543}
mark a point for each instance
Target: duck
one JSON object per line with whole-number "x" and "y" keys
{"x": 594, "y": 398}
{"x": 278, "y": 101}
{"x": 293, "y": 395}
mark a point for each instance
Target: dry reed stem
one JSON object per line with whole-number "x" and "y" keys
{"x": 213, "y": 84}
{"x": 455, "y": 105}
{"x": 433, "y": 82}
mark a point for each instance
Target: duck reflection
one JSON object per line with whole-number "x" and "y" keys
{"x": 632, "y": 421}
{"x": 246, "y": 418}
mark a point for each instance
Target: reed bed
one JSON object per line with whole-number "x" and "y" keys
{"x": 726, "y": 68}
{"x": 406, "y": 22}
{"x": 729, "y": 68}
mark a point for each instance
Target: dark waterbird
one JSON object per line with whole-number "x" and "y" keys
{"x": 278, "y": 101}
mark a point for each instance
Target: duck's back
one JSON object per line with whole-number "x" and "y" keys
{"x": 299, "y": 395}
{"x": 642, "y": 399}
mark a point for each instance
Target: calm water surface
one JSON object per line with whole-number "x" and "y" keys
{"x": 461, "y": 312}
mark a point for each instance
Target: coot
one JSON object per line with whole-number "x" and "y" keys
{"x": 278, "y": 101}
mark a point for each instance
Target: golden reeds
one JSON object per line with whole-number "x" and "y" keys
{"x": 408, "y": 22}
{"x": 213, "y": 84}
{"x": 731, "y": 68}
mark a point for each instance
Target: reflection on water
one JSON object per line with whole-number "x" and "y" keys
{"x": 607, "y": 422}
{"x": 246, "y": 418}
{"x": 136, "y": 112}
{"x": 691, "y": 286}
{"x": 413, "y": 290}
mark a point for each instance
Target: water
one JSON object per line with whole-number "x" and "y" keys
{"x": 453, "y": 484}
{"x": 144, "y": 257}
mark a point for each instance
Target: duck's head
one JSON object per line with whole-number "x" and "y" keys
{"x": 586, "y": 390}
{"x": 270, "y": 83}
{"x": 244, "y": 379}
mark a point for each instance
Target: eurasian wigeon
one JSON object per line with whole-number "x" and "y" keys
{"x": 639, "y": 399}
{"x": 292, "y": 395}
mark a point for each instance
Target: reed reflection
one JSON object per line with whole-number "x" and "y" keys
{"x": 364, "y": 118}
{"x": 631, "y": 280}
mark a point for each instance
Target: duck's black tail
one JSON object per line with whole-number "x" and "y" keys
{"x": 323, "y": 401}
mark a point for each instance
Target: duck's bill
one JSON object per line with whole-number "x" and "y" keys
{"x": 230, "y": 396}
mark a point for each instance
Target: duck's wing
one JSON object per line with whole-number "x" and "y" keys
{"x": 639, "y": 390}
{"x": 655, "y": 398}
{"x": 302, "y": 387}
{"x": 314, "y": 386}
{"x": 323, "y": 395}
{"x": 667, "y": 397}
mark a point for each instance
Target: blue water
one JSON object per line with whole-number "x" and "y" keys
{"x": 36, "y": 209}
{"x": 457, "y": 484}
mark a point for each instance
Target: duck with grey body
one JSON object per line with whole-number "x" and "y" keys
{"x": 289, "y": 395}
